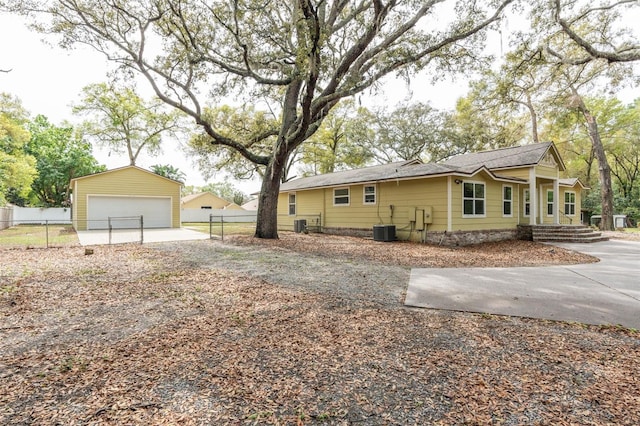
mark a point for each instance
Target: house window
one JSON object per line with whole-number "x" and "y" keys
{"x": 292, "y": 204}
{"x": 205, "y": 207}
{"x": 341, "y": 197}
{"x": 369, "y": 192}
{"x": 507, "y": 200}
{"x": 549, "y": 202}
{"x": 473, "y": 199}
{"x": 527, "y": 203}
{"x": 570, "y": 203}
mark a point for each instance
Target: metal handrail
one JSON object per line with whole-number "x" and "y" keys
{"x": 566, "y": 218}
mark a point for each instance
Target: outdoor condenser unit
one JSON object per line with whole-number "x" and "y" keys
{"x": 300, "y": 225}
{"x": 384, "y": 233}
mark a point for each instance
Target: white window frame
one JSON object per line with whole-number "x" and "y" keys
{"x": 572, "y": 204}
{"x": 348, "y": 197}
{"x": 550, "y": 205}
{"x": 474, "y": 199}
{"x": 364, "y": 195}
{"x": 505, "y": 201}
{"x": 294, "y": 204}
{"x": 526, "y": 201}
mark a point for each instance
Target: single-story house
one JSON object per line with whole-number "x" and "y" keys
{"x": 121, "y": 196}
{"x": 207, "y": 201}
{"x": 471, "y": 197}
{"x": 251, "y": 204}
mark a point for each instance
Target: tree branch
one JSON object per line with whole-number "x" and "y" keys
{"x": 620, "y": 55}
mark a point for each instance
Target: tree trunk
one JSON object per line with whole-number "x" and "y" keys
{"x": 534, "y": 119}
{"x": 606, "y": 191}
{"x": 267, "y": 216}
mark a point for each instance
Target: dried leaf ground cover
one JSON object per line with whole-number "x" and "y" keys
{"x": 192, "y": 333}
{"x": 499, "y": 254}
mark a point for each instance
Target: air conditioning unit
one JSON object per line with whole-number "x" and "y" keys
{"x": 385, "y": 233}
{"x": 300, "y": 225}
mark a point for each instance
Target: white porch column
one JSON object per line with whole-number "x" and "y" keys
{"x": 449, "y": 205}
{"x": 556, "y": 202}
{"x": 533, "y": 197}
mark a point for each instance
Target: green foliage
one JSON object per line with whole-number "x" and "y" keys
{"x": 225, "y": 190}
{"x": 619, "y": 128}
{"x": 123, "y": 121}
{"x": 408, "y": 132}
{"x": 257, "y": 128}
{"x": 480, "y": 122}
{"x": 61, "y": 154}
{"x": 168, "y": 171}
{"x": 17, "y": 168}
{"x": 335, "y": 146}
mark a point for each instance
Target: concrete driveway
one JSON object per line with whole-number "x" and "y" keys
{"x": 99, "y": 237}
{"x": 606, "y": 292}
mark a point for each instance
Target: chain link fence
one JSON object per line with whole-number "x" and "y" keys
{"x": 239, "y": 224}
{"x": 48, "y": 234}
{"x": 37, "y": 235}
{"x": 221, "y": 226}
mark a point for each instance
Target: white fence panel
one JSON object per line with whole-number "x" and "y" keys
{"x": 202, "y": 215}
{"x": 26, "y": 215}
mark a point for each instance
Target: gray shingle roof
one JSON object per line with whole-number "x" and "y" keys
{"x": 366, "y": 174}
{"x": 461, "y": 165}
{"x": 385, "y": 172}
{"x": 571, "y": 182}
{"x": 503, "y": 158}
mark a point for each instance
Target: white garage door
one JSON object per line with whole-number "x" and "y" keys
{"x": 125, "y": 212}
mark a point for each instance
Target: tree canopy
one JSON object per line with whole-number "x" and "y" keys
{"x": 17, "y": 168}
{"x": 118, "y": 118}
{"x": 299, "y": 57}
{"x": 61, "y": 154}
{"x": 168, "y": 171}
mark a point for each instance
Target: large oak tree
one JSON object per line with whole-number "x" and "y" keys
{"x": 301, "y": 55}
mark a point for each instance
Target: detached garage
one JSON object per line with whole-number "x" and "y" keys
{"x": 121, "y": 196}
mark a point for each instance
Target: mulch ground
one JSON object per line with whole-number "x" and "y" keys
{"x": 146, "y": 335}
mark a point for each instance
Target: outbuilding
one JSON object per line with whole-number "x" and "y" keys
{"x": 124, "y": 198}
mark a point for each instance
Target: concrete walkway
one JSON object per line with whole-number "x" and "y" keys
{"x": 100, "y": 237}
{"x": 606, "y": 292}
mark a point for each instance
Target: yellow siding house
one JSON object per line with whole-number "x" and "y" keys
{"x": 207, "y": 201}
{"x": 121, "y": 196}
{"x": 472, "y": 197}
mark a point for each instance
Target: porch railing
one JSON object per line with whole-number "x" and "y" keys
{"x": 564, "y": 219}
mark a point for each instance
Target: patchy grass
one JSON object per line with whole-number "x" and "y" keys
{"x": 38, "y": 236}
{"x": 631, "y": 230}
{"x": 228, "y": 228}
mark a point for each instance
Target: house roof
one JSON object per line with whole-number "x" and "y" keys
{"x": 191, "y": 197}
{"x": 463, "y": 165}
{"x": 571, "y": 182}
{"x": 124, "y": 168}
{"x": 386, "y": 172}
{"x": 251, "y": 205}
{"x": 505, "y": 158}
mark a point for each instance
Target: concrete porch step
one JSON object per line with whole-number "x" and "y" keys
{"x": 549, "y": 239}
{"x": 566, "y": 233}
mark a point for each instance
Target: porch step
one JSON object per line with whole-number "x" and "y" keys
{"x": 566, "y": 234}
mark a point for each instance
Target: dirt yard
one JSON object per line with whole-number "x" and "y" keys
{"x": 304, "y": 330}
